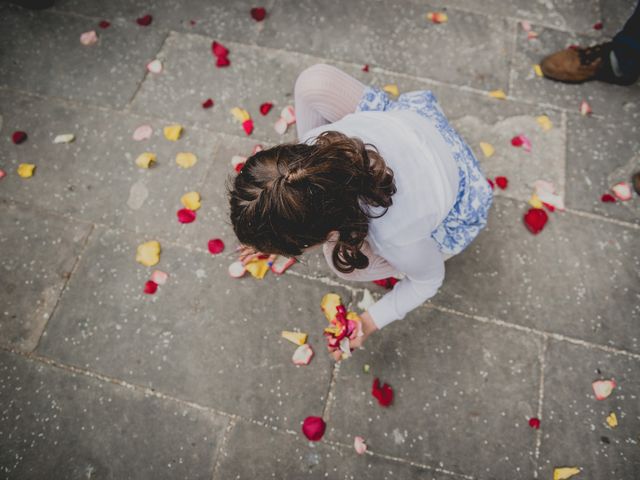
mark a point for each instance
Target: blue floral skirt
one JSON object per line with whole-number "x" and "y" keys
{"x": 471, "y": 208}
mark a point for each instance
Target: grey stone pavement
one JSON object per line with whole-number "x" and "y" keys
{"x": 100, "y": 381}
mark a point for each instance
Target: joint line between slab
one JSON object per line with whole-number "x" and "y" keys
{"x": 221, "y": 446}
{"x": 542, "y": 361}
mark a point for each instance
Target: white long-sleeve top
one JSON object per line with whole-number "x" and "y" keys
{"x": 426, "y": 178}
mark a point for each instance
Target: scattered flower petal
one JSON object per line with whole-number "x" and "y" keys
{"x": 186, "y": 159}
{"x": 280, "y": 126}
{"x": 222, "y": 61}
{"x": 534, "y": 423}
{"x": 608, "y": 198}
{"x": 545, "y": 192}
{"x": 240, "y": 114}
{"x": 258, "y": 13}
{"x": 535, "y": 220}
{"x": 491, "y": 184}
{"x": 526, "y": 25}
{"x": 215, "y": 246}
{"x": 146, "y": 159}
{"x": 104, "y": 24}
{"x": 502, "y": 182}
{"x": 2, "y": 173}
{"x": 148, "y": 253}
{"x": 437, "y": 17}
{"x": 366, "y": 368}
{"x": 266, "y": 108}
{"x": 612, "y": 420}
{"x": 289, "y": 115}
{"x": 281, "y": 264}
{"x": 597, "y": 26}
{"x": 329, "y": 305}
{"x": 392, "y": 89}
{"x": 236, "y": 269}
{"x": 64, "y": 138}
{"x": 219, "y": 50}
{"x": 544, "y": 122}
{"x": 237, "y": 162}
{"x": 487, "y": 149}
{"x": 535, "y": 201}
{"x": 143, "y": 132}
{"x": 159, "y": 277}
{"x": 18, "y": 137}
{"x": 499, "y": 94}
{"x": 89, "y": 38}
{"x": 208, "y": 103}
{"x": 302, "y": 355}
{"x": 537, "y": 70}
{"x": 532, "y": 35}
{"x": 622, "y": 190}
{"x": 150, "y": 287}
{"x": 25, "y": 170}
{"x": 603, "y": 388}
{"x": 521, "y": 141}
{"x": 172, "y": 132}
{"x": 298, "y": 338}
{"x": 313, "y": 428}
{"x": 191, "y": 200}
{"x": 564, "y": 473}
{"x": 359, "y": 445}
{"x": 144, "y": 21}
{"x": 185, "y": 215}
{"x": 365, "y": 68}
{"x": 585, "y": 108}
{"x": 154, "y": 66}
{"x": 387, "y": 283}
{"x": 384, "y": 393}
{"x": 257, "y": 148}
{"x": 258, "y": 268}
{"x": 247, "y": 125}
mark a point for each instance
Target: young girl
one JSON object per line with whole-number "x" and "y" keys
{"x": 387, "y": 187}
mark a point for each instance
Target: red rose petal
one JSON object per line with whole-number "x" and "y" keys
{"x": 313, "y": 428}
{"x": 222, "y": 61}
{"x": 258, "y": 13}
{"x": 597, "y": 26}
{"x": 517, "y": 141}
{"x": 248, "y": 126}
{"x": 608, "y": 198}
{"x": 573, "y": 47}
{"x": 386, "y": 282}
{"x": 186, "y": 216}
{"x": 192, "y": 22}
{"x": 534, "y": 423}
{"x": 384, "y": 393}
{"x": 104, "y": 24}
{"x": 208, "y": 103}
{"x": 491, "y": 184}
{"x": 18, "y": 137}
{"x": 150, "y": 287}
{"x": 365, "y": 68}
{"x": 502, "y": 182}
{"x": 549, "y": 207}
{"x": 535, "y": 220}
{"x": 238, "y": 168}
{"x": 219, "y": 50}
{"x": 144, "y": 21}
{"x": 266, "y": 107}
{"x": 215, "y": 246}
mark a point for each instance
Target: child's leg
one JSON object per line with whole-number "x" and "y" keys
{"x": 324, "y": 94}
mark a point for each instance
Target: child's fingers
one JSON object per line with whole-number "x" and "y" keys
{"x": 249, "y": 258}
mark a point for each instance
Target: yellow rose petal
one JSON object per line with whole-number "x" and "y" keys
{"x": 191, "y": 200}
{"x": 186, "y": 159}
{"x": 535, "y": 201}
{"x": 298, "y": 338}
{"x": 392, "y": 89}
{"x": 329, "y": 305}
{"x": 563, "y": 473}
{"x": 240, "y": 114}
{"x": 612, "y": 420}
{"x": 148, "y": 253}
{"x": 146, "y": 159}
{"x": 258, "y": 268}
{"x": 538, "y": 70}
{"x": 172, "y": 132}
{"x": 487, "y": 149}
{"x": 25, "y": 170}
{"x": 437, "y": 17}
{"x": 544, "y": 122}
{"x": 499, "y": 94}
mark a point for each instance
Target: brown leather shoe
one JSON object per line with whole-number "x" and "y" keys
{"x": 577, "y": 65}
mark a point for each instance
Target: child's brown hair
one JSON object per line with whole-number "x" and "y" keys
{"x": 291, "y": 196}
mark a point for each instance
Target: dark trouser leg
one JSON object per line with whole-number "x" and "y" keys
{"x": 626, "y": 46}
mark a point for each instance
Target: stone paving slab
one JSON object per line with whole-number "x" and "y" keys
{"x": 606, "y": 100}
{"x": 41, "y": 52}
{"x": 473, "y": 384}
{"x": 31, "y": 277}
{"x": 571, "y": 412}
{"x": 575, "y": 15}
{"x": 251, "y": 452}
{"x": 578, "y": 277}
{"x": 600, "y": 155}
{"x": 615, "y": 13}
{"x": 57, "y": 424}
{"x": 203, "y": 336}
{"x": 95, "y": 178}
{"x": 396, "y": 37}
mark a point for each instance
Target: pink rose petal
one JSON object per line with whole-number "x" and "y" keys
{"x": 89, "y": 38}
{"x": 585, "y": 108}
{"x": 143, "y": 132}
{"x": 154, "y": 66}
{"x": 237, "y": 269}
{"x": 289, "y": 115}
{"x": 280, "y": 126}
{"x": 622, "y": 190}
{"x": 302, "y": 355}
{"x": 2, "y": 173}
{"x": 359, "y": 445}
{"x": 603, "y": 388}
{"x": 159, "y": 277}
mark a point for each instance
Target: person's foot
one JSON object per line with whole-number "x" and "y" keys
{"x": 636, "y": 182}
{"x": 578, "y": 65}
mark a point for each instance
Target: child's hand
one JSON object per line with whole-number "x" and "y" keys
{"x": 248, "y": 254}
{"x": 368, "y": 327}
